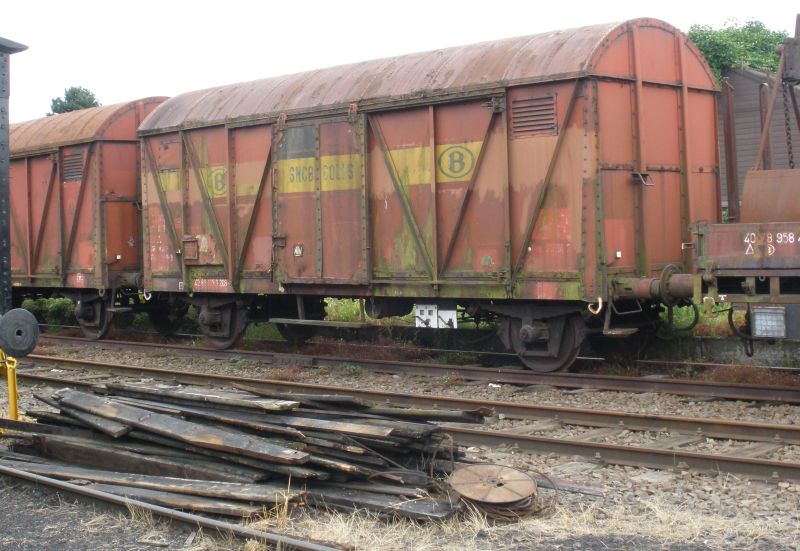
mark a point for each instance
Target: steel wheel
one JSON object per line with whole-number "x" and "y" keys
{"x": 98, "y": 327}
{"x": 234, "y": 319}
{"x": 571, "y": 340}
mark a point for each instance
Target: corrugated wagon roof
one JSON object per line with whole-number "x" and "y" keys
{"x": 547, "y": 56}
{"x": 67, "y": 128}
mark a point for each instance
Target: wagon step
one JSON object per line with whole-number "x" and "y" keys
{"x": 320, "y": 323}
{"x": 119, "y": 309}
{"x": 620, "y": 332}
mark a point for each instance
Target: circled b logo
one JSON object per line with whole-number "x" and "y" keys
{"x": 456, "y": 161}
{"x": 217, "y": 184}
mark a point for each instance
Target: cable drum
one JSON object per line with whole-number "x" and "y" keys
{"x": 501, "y": 493}
{"x": 19, "y": 332}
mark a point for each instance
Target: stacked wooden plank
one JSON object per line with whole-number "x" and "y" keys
{"x": 240, "y": 451}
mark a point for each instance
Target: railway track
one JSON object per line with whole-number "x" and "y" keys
{"x": 683, "y": 387}
{"x": 769, "y": 437}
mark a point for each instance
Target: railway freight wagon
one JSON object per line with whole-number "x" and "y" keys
{"x": 546, "y": 182}
{"x": 75, "y": 208}
{"x": 754, "y": 264}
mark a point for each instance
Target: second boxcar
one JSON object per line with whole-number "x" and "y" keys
{"x": 547, "y": 182}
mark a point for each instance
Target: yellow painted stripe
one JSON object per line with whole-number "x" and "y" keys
{"x": 412, "y": 165}
{"x": 213, "y": 177}
{"x": 246, "y": 189}
{"x": 296, "y": 175}
{"x": 454, "y": 163}
{"x": 340, "y": 172}
{"x": 169, "y": 180}
{"x": 337, "y": 172}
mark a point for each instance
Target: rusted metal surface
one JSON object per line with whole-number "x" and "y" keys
{"x": 756, "y": 261}
{"x": 766, "y": 193}
{"x": 109, "y": 122}
{"x": 451, "y": 71}
{"x": 764, "y": 152}
{"x": 493, "y": 484}
{"x": 74, "y": 198}
{"x": 764, "y": 156}
{"x": 750, "y": 246}
{"x": 731, "y": 162}
{"x": 461, "y": 173}
{"x": 548, "y": 56}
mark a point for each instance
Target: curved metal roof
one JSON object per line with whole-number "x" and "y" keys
{"x": 70, "y": 128}
{"x": 543, "y": 57}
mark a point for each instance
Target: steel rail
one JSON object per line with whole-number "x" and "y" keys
{"x": 628, "y": 455}
{"x": 601, "y": 452}
{"x": 683, "y": 387}
{"x": 278, "y": 540}
{"x": 510, "y": 355}
{"x": 712, "y": 428}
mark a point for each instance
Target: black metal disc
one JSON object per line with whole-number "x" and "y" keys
{"x": 19, "y": 332}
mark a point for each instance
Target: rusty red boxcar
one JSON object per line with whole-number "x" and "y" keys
{"x": 75, "y": 220}
{"x": 546, "y": 181}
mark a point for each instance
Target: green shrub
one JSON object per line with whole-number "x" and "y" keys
{"x": 37, "y": 307}
{"x": 342, "y": 309}
{"x": 60, "y": 311}
{"x": 52, "y": 311}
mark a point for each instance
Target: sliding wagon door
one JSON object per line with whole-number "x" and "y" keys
{"x": 319, "y": 206}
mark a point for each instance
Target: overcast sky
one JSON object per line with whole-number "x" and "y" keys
{"x": 127, "y": 50}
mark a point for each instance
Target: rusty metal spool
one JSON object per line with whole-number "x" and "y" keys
{"x": 493, "y": 485}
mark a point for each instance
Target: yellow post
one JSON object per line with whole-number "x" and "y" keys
{"x": 9, "y": 367}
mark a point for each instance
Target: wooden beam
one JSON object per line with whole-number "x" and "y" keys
{"x": 178, "y": 429}
{"x": 261, "y": 492}
{"x": 89, "y": 453}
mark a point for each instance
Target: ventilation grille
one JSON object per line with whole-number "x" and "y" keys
{"x": 534, "y": 116}
{"x": 72, "y": 166}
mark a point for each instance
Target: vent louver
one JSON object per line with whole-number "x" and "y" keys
{"x": 72, "y": 167}
{"x": 534, "y": 116}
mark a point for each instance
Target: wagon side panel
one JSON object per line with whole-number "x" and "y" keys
{"x": 298, "y": 220}
{"x": 546, "y": 163}
{"x": 162, "y": 212}
{"x": 119, "y": 201}
{"x": 19, "y": 220}
{"x": 401, "y": 182}
{"x": 79, "y": 180}
{"x": 252, "y": 177}
{"x": 341, "y": 198}
{"x": 471, "y": 191}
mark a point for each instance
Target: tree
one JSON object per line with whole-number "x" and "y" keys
{"x": 75, "y": 98}
{"x": 750, "y": 45}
